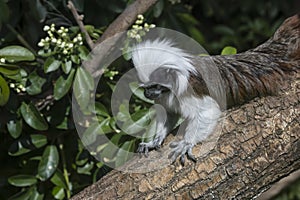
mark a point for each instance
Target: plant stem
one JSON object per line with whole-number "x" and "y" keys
{"x": 21, "y": 39}
{"x": 65, "y": 171}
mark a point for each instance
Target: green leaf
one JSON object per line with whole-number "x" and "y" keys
{"x": 83, "y": 84}
{"x": 48, "y": 163}
{"x": 83, "y": 52}
{"x": 67, "y": 66}
{"x": 38, "y": 140}
{"x": 86, "y": 169}
{"x": 36, "y": 195}
{"x": 51, "y": 64}
{"x": 41, "y": 11}
{"x": 101, "y": 110}
{"x": 4, "y": 91}
{"x": 9, "y": 70}
{"x": 109, "y": 152}
{"x": 196, "y": 34}
{"x": 142, "y": 120}
{"x": 27, "y": 144}
{"x": 33, "y": 117}
{"x": 95, "y": 129}
{"x": 187, "y": 18}
{"x": 123, "y": 114}
{"x": 75, "y": 59}
{"x": 85, "y": 76}
{"x": 16, "y": 53}
{"x": 36, "y": 85}
{"x": 62, "y": 86}
{"x": 158, "y": 8}
{"x": 14, "y": 128}
{"x": 59, "y": 180}
{"x": 58, "y": 192}
{"x": 22, "y": 180}
{"x": 23, "y": 195}
{"x": 125, "y": 153}
{"x": 228, "y": 50}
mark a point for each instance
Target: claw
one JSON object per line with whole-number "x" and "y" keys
{"x": 181, "y": 149}
{"x": 146, "y": 152}
{"x": 190, "y": 155}
{"x": 144, "y": 147}
{"x": 182, "y": 159}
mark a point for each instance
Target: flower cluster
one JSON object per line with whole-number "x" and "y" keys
{"x": 139, "y": 29}
{"x": 18, "y": 87}
{"x": 59, "y": 41}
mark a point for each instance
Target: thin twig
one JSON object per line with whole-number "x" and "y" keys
{"x": 59, "y": 14}
{"x": 21, "y": 38}
{"x": 79, "y": 19}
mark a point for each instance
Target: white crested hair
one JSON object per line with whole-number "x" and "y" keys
{"x": 148, "y": 56}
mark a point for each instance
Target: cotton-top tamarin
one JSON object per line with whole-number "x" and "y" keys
{"x": 180, "y": 82}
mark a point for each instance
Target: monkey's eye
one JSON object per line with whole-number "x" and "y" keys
{"x": 155, "y": 87}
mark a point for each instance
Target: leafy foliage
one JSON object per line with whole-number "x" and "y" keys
{"x": 40, "y": 65}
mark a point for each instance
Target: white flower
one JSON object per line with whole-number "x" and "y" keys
{"x": 141, "y": 17}
{"x": 152, "y": 25}
{"x": 50, "y": 33}
{"x": 135, "y": 26}
{"x": 65, "y": 51}
{"x": 59, "y": 41}
{"x": 139, "y": 21}
{"x": 2, "y": 60}
{"x": 41, "y": 44}
{"x": 46, "y": 28}
{"x": 54, "y": 40}
{"x": 138, "y": 37}
{"x": 63, "y": 44}
{"x": 70, "y": 45}
{"x": 12, "y": 85}
{"x": 79, "y": 37}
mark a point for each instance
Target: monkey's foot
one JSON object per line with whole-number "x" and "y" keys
{"x": 181, "y": 149}
{"x": 144, "y": 147}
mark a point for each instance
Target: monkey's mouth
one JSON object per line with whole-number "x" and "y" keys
{"x": 154, "y": 91}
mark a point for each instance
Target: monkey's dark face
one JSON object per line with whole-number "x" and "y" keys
{"x": 161, "y": 82}
{"x": 154, "y": 91}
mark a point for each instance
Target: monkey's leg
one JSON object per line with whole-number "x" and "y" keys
{"x": 198, "y": 128}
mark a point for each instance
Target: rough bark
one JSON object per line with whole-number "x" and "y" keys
{"x": 258, "y": 146}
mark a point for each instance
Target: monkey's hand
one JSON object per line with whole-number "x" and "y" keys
{"x": 181, "y": 149}
{"x": 144, "y": 147}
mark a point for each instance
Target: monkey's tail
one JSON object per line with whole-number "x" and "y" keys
{"x": 260, "y": 71}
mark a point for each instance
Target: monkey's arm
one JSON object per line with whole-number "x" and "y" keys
{"x": 165, "y": 122}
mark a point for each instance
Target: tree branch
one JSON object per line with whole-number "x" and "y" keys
{"x": 126, "y": 19}
{"x": 79, "y": 19}
{"x": 258, "y": 146}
